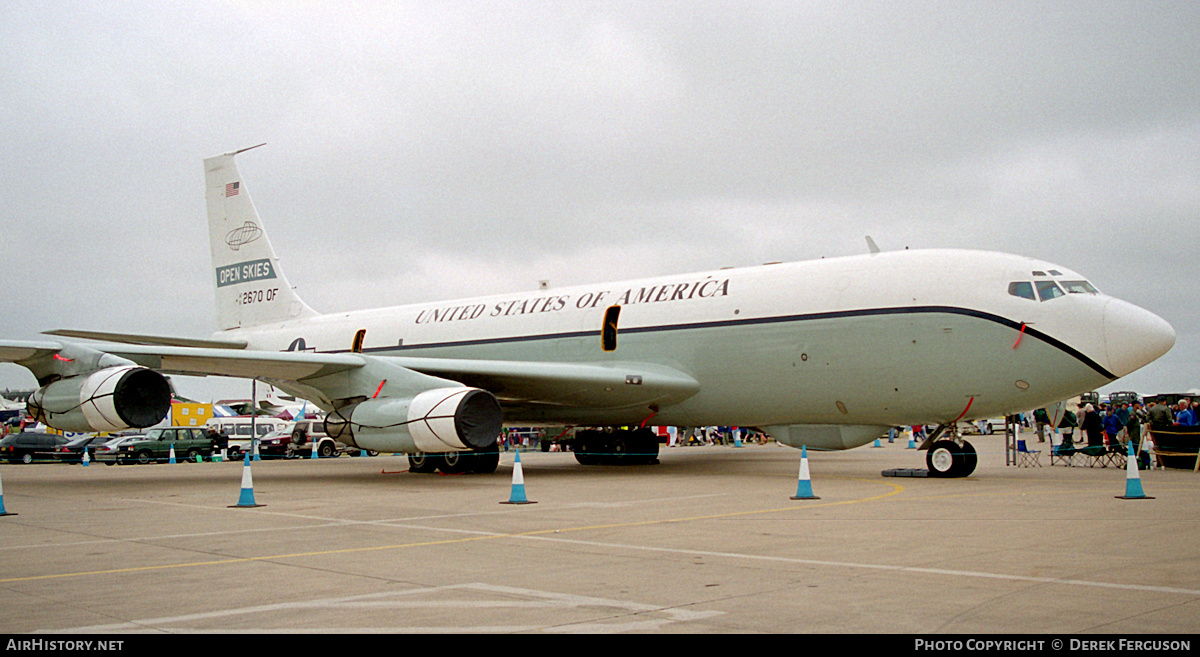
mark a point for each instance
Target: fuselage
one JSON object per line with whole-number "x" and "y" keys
{"x": 883, "y": 339}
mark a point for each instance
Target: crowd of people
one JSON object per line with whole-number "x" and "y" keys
{"x": 1113, "y": 425}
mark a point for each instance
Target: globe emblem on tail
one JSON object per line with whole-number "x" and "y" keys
{"x": 248, "y": 232}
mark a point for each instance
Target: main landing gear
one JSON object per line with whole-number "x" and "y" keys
{"x": 615, "y": 447}
{"x": 480, "y": 461}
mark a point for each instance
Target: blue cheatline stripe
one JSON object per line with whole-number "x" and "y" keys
{"x": 781, "y": 319}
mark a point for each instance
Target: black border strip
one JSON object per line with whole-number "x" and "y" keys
{"x": 841, "y": 314}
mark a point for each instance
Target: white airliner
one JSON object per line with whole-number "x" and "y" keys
{"x": 827, "y": 353}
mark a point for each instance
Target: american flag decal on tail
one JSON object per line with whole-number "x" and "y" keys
{"x": 231, "y": 189}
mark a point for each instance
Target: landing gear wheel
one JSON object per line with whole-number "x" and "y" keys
{"x": 585, "y": 445}
{"x": 944, "y": 459}
{"x": 645, "y": 444}
{"x": 422, "y": 463}
{"x": 619, "y": 449}
{"x": 486, "y": 462}
{"x": 970, "y": 459}
{"x": 455, "y": 462}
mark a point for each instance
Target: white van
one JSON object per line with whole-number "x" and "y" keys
{"x": 238, "y": 430}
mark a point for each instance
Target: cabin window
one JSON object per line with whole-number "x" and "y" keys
{"x": 1023, "y": 289}
{"x": 358, "y": 341}
{"x": 1048, "y": 290}
{"x": 608, "y": 336}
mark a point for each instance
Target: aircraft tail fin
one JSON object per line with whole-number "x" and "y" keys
{"x": 251, "y": 289}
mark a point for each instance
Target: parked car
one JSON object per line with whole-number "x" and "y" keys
{"x": 155, "y": 446}
{"x": 308, "y": 435}
{"x": 107, "y": 453}
{"x": 72, "y": 452}
{"x": 274, "y": 445}
{"x": 28, "y": 447}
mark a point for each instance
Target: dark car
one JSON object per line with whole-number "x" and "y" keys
{"x": 156, "y": 446}
{"x": 72, "y": 452}
{"x": 28, "y": 447}
{"x": 275, "y": 444}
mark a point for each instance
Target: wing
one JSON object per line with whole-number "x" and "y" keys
{"x": 131, "y": 338}
{"x": 550, "y": 389}
{"x": 570, "y": 392}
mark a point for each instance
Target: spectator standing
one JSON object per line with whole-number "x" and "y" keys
{"x": 1160, "y": 415}
{"x": 1112, "y": 426}
{"x": 1092, "y": 426}
{"x": 1185, "y": 416}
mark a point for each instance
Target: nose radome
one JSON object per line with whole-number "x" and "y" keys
{"x": 1134, "y": 337}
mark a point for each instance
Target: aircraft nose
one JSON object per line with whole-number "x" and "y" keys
{"x": 1134, "y": 337}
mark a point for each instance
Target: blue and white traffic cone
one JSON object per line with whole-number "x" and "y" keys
{"x": 314, "y": 454}
{"x": 86, "y": 460}
{"x": 912, "y": 443}
{"x": 2, "y": 511}
{"x": 171, "y": 458}
{"x": 877, "y": 443}
{"x": 737, "y": 438}
{"x": 518, "y": 484}
{"x": 1133, "y": 480}
{"x": 255, "y": 450}
{"x": 804, "y": 489}
{"x": 246, "y": 499}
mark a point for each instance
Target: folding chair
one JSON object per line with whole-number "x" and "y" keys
{"x": 1095, "y": 454}
{"x": 1064, "y": 452}
{"x": 1026, "y": 457}
{"x": 1118, "y": 453}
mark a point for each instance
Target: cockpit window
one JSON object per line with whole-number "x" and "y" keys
{"x": 1048, "y": 290}
{"x": 1022, "y": 289}
{"x": 1080, "y": 287}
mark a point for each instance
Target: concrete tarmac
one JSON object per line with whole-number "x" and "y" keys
{"x": 707, "y": 541}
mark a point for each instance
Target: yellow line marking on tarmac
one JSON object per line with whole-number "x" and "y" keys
{"x": 896, "y": 490}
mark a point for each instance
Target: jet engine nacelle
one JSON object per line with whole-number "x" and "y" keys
{"x": 438, "y": 420}
{"x": 111, "y": 399}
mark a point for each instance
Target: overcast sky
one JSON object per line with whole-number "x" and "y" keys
{"x": 431, "y": 150}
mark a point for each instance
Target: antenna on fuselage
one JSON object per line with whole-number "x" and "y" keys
{"x": 872, "y": 245}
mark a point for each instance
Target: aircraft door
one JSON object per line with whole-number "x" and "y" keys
{"x": 608, "y": 333}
